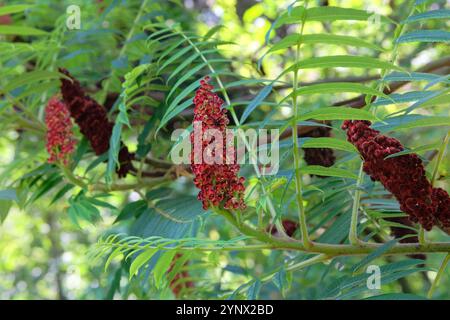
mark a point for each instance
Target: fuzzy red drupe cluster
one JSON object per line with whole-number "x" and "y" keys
{"x": 88, "y": 114}
{"x": 60, "y": 140}
{"x": 403, "y": 176}
{"x": 319, "y": 156}
{"x": 92, "y": 119}
{"x": 180, "y": 280}
{"x": 219, "y": 183}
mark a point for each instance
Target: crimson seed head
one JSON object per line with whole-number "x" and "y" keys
{"x": 319, "y": 156}
{"x": 92, "y": 119}
{"x": 442, "y": 200}
{"x": 179, "y": 282}
{"x": 90, "y": 116}
{"x": 403, "y": 176}
{"x": 60, "y": 141}
{"x": 219, "y": 184}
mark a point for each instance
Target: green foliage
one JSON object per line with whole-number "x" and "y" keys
{"x": 277, "y": 65}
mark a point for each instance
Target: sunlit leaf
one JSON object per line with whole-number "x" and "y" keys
{"x": 433, "y": 14}
{"x": 141, "y": 259}
{"x": 431, "y": 121}
{"x": 326, "y": 142}
{"x": 21, "y": 31}
{"x": 328, "y": 172}
{"x": 425, "y": 36}
{"x": 342, "y": 62}
{"x": 338, "y": 113}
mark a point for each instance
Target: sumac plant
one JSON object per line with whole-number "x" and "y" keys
{"x": 194, "y": 149}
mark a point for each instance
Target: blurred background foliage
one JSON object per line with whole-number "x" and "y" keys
{"x": 44, "y": 255}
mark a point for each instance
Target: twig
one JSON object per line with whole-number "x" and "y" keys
{"x": 331, "y": 249}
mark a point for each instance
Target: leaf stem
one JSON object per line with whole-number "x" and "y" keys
{"x": 353, "y": 234}
{"x": 308, "y": 262}
{"x": 422, "y": 238}
{"x": 298, "y": 177}
{"x": 122, "y": 51}
{"x": 438, "y": 276}
{"x": 421, "y": 235}
{"x": 441, "y": 154}
{"x": 147, "y": 183}
{"x": 72, "y": 178}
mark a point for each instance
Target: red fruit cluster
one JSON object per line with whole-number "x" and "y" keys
{"x": 178, "y": 283}
{"x": 125, "y": 162}
{"x": 5, "y": 19}
{"x": 403, "y": 176}
{"x": 219, "y": 184}
{"x": 92, "y": 119}
{"x": 60, "y": 141}
{"x": 289, "y": 227}
{"x": 90, "y": 116}
{"x": 319, "y": 156}
{"x": 442, "y": 201}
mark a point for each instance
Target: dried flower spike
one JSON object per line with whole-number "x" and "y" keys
{"x": 319, "y": 156}
{"x": 90, "y": 116}
{"x": 60, "y": 141}
{"x": 403, "y": 176}
{"x": 219, "y": 184}
{"x": 92, "y": 119}
{"x": 180, "y": 281}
